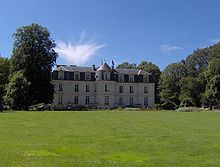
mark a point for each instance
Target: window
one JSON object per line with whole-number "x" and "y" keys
{"x": 106, "y": 100}
{"x": 131, "y": 101}
{"x": 60, "y": 100}
{"x": 76, "y": 88}
{"x": 121, "y": 78}
{"x": 106, "y": 88}
{"x": 76, "y": 100}
{"x": 120, "y": 89}
{"x": 76, "y": 76}
{"x": 87, "y": 88}
{"x": 60, "y": 75}
{"x": 120, "y": 100}
{"x": 106, "y": 76}
{"x": 146, "y": 101}
{"x": 87, "y": 100}
{"x": 145, "y": 78}
{"x": 131, "y": 89}
{"x": 60, "y": 87}
{"x": 145, "y": 89}
{"x": 131, "y": 79}
{"x": 87, "y": 76}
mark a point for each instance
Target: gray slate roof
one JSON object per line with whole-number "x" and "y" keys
{"x": 104, "y": 67}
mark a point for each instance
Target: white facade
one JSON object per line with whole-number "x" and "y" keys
{"x": 104, "y": 87}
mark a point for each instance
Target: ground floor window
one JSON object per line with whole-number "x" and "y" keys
{"x": 60, "y": 99}
{"x": 87, "y": 100}
{"x": 146, "y": 101}
{"x": 106, "y": 100}
{"x": 76, "y": 100}
{"x": 120, "y": 100}
{"x": 131, "y": 101}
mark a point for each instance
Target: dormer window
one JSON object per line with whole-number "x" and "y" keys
{"x": 121, "y": 78}
{"x": 87, "y": 76}
{"x": 60, "y": 75}
{"x": 76, "y": 76}
{"x": 145, "y": 78}
{"x": 131, "y": 78}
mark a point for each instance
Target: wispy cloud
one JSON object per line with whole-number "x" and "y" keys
{"x": 215, "y": 40}
{"x": 77, "y": 52}
{"x": 169, "y": 48}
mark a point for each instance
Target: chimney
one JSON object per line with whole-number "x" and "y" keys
{"x": 93, "y": 67}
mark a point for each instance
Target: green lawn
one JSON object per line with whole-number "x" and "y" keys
{"x": 131, "y": 138}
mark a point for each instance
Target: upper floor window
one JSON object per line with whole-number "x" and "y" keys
{"x": 120, "y": 89}
{"x": 60, "y": 87}
{"x": 76, "y": 76}
{"x": 76, "y": 88}
{"x": 106, "y": 88}
{"x": 145, "y": 89}
{"x": 131, "y": 89}
{"x": 87, "y": 88}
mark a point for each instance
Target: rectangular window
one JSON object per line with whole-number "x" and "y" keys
{"x": 76, "y": 88}
{"x": 60, "y": 100}
{"x": 87, "y": 88}
{"x": 60, "y": 87}
{"x": 87, "y": 100}
{"x": 60, "y": 76}
{"x": 146, "y": 101}
{"x": 87, "y": 76}
{"x": 121, "y": 78}
{"x": 131, "y": 79}
{"x": 120, "y": 100}
{"x": 131, "y": 101}
{"x": 131, "y": 89}
{"x": 106, "y": 88}
{"x": 76, "y": 76}
{"x": 120, "y": 89}
{"x": 76, "y": 100}
{"x": 145, "y": 89}
{"x": 145, "y": 78}
{"x": 106, "y": 100}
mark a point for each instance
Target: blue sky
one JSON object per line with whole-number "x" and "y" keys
{"x": 87, "y": 31}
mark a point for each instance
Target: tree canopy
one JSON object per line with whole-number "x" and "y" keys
{"x": 33, "y": 54}
{"x": 5, "y": 65}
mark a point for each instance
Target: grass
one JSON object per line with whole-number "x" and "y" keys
{"x": 98, "y": 139}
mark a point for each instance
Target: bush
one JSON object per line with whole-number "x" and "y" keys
{"x": 169, "y": 105}
{"x": 189, "y": 109}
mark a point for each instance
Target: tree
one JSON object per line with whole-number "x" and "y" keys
{"x": 169, "y": 84}
{"x": 127, "y": 65}
{"x": 33, "y": 54}
{"x": 191, "y": 91}
{"x": 155, "y": 71}
{"x": 5, "y": 65}
{"x": 17, "y": 92}
{"x": 212, "y": 75}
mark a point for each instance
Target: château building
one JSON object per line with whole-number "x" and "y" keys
{"x": 102, "y": 87}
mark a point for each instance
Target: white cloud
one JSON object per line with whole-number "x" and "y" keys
{"x": 216, "y": 40}
{"x": 79, "y": 52}
{"x": 168, "y": 48}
